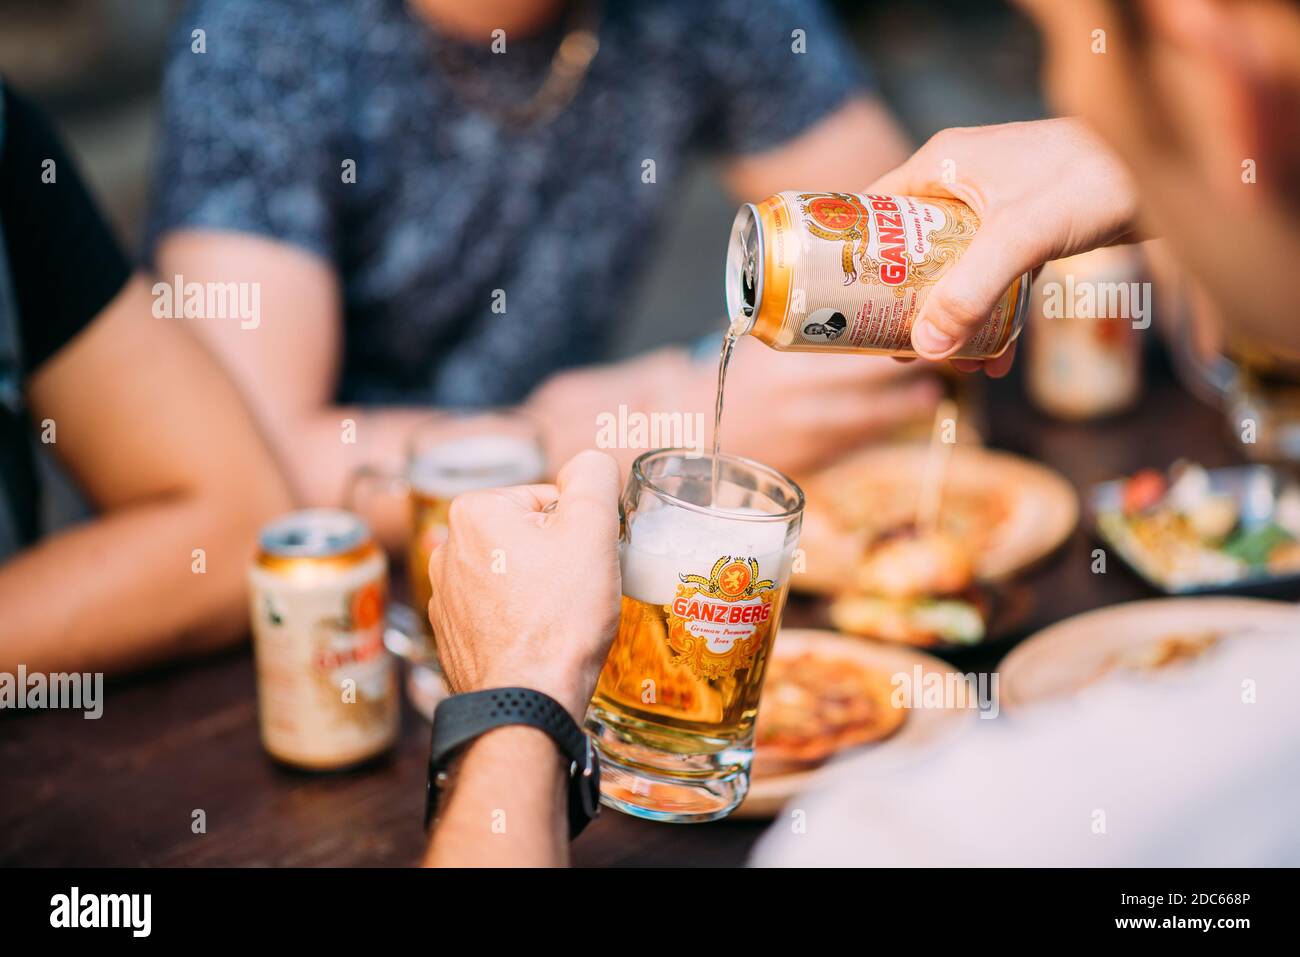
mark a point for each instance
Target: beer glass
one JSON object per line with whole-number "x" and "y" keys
{"x": 447, "y": 454}
{"x": 455, "y": 453}
{"x": 704, "y": 583}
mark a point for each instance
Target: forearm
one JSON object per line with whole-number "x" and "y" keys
{"x": 845, "y": 150}
{"x": 157, "y": 580}
{"x": 577, "y": 408}
{"x": 507, "y": 806}
{"x": 324, "y": 448}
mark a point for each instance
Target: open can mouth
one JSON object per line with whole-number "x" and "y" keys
{"x": 314, "y": 533}
{"x": 744, "y": 273}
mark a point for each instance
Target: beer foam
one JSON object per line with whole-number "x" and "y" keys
{"x": 477, "y": 461}
{"x": 668, "y": 542}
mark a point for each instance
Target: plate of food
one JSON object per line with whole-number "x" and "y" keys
{"x": 920, "y": 589}
{"x": 1140, "y": 639}
{"x": 1007, "y": 511}
{"x": 826, "y": 695}
{"x": 935, "y": 584}
{"x": 1192, "y": 530}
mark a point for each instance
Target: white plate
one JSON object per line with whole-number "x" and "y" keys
{"x": 1065, "y": 657}
{"x": 1043, "y": 510}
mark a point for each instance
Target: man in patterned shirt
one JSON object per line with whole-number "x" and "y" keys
{"x": 447, "y": 204}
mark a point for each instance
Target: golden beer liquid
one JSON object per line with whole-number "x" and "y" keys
{"x": 659, "y": 700}
{"x": 428, "y": 530}
{"x": 438, "y": 473}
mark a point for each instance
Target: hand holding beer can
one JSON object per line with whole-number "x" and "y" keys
{"x": 850, "y": 272}
{"x": 705, "y": 580}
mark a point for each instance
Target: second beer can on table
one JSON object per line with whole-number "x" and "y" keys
{"x": 326, "y": 686}
{"x": 849, "y": 272}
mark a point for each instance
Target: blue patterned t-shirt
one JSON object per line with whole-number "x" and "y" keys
{"x": 450, "y": 204}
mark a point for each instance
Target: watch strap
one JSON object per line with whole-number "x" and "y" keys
{"x": 460, "y": 719}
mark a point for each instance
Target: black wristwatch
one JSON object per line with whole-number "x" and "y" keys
{"x": 461, "y": 718}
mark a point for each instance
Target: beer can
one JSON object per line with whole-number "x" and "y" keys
{"x": 849, "y": 272}
{"x": 326, "y": 686}
{"x": 1084, "y": 356}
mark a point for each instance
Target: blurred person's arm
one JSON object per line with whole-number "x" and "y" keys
{"x": 793, "y": 105}
{"x": 141, "y": 417}
{"x": 844, "y": 151}
{"x": 526, "y": 633}
{"x": 158, "y": 439}
{"x": 794, "y": 412}
{"x": 287, "y": 366}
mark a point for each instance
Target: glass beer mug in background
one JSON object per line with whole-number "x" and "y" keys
{"x": 450, "y": 453}
{"x": 704, "y": 583}
{"x": 455, "y": 453}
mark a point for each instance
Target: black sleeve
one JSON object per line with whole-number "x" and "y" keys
{"x": 65, "y": 263}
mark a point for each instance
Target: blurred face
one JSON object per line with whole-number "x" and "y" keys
{"x": 1198, "y": 97}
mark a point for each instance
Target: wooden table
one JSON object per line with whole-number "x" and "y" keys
{"x": 123, "y": 789}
